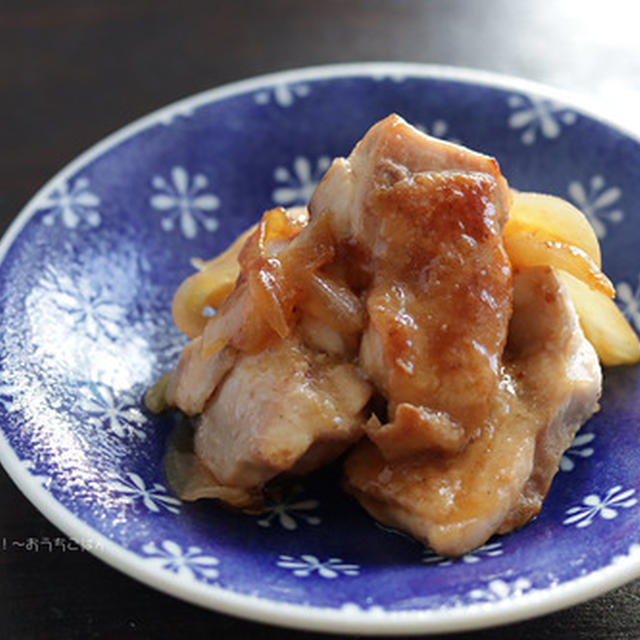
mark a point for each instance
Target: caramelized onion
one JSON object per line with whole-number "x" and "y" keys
{"x": 525, "y": 251}
{"x": 334, "y": 303}
{"x": 544, "y": 217}
{"x": 239, "y": 324}
{"x": 211, "y": 286}
{"x": 311, "y": 250}
{"x": 208, "y": 288}
{"x": 267, "y": 287}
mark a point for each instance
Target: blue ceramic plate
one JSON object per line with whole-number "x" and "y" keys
{"x": 88, "y": 272}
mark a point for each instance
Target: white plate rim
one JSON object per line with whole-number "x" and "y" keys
{"x": 302, "y": 616}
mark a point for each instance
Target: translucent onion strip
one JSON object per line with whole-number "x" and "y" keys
{"x": 545, "y": 217}
{"x": 208, "y": 288}
{"x": 525, "y": 251}
{"x": 333, "y": 303}
{"x": 603, "y": 323}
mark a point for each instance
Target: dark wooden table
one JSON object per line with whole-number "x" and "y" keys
{"x": 73, "y": 71}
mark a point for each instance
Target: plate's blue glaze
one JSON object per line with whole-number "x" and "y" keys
{"x": 86, "y": 285}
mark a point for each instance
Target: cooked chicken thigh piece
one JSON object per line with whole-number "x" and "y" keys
{"x": 560, "y": 376}
{"x": 287, "y": 408}
{"x": 549, "y": 386}
{"x": 195, "y": 378}
{"x": 426, "y": 217}
{"x": 391, "y": 150}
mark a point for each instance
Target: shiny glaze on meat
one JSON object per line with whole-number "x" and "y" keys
{"x": 549, "y": 386}
{"x": 425, "y": 218}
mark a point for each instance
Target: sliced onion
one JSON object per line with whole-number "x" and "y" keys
{"x": 267, "y": 288}
{"x": 545, "y": 217}
{"x": 190, "y": 479}
{"x": 526, "y": 251}
{"x": 334, "y": 303}
{"x": 154, "y": 398}
{"x": 239, "y": 324}
{"x": 220, "y": 329}
{"x": 209, "y": 288}
{"x": 231, "y": 253}
{"x": 603, "y": 323}
{"x": 310, "y": 250}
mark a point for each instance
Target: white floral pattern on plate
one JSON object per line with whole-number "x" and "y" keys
{"x": 300, "y": 183}
{"x": 288, "y": 510}
{"x": 489, "y": 550}
{"x": 73, "y": 205}
{"x": 498, "y": 590}
{"x": 596, "y": 202}
{"x": 182, "y": 200}
{"x": 283, "y": 95}
{"x": 120, "y": 413}
{"x": 593, "y": 506}
{"x": 85, "y": 307}
{"x": 306, "y": 565}
{"x": 134, "y": 489}
{"x": 578, "y": 449}
{"x": 191, "y": 563}
{"x": 538, "y": 115}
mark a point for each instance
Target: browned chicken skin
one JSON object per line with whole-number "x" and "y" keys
{"x": 455, "y": 503}
{"x": 430, "y": 216}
